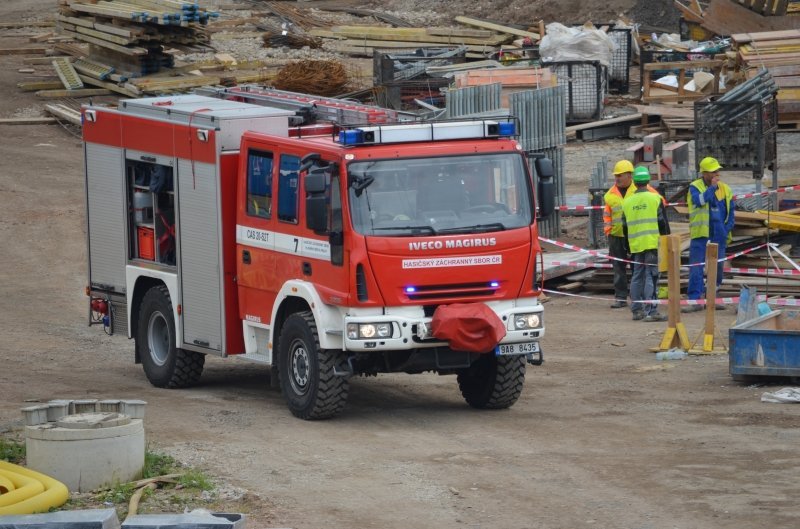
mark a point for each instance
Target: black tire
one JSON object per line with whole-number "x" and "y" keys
{"x": 493, "y": 382}
{"x": 309, "y": 385}
{"x": 164, "y": 364}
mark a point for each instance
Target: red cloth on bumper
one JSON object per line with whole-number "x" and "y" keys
{"x": 471, "y": 327}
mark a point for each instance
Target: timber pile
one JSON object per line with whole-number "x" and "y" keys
{"x": 778, "y": 52}
{"x": 133, "y": 36}
{"x": 481, "y": 38}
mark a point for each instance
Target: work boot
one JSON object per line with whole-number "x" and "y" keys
{"x": 691, "y": 308}
{"x": 656, "y": 316}
{"x": 638, "y": 315}
{"x": 618, "y": 304}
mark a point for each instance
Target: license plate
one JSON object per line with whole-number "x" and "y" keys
{"x": 517, "y": 348}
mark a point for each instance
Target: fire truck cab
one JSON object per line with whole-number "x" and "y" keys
{"x": 214, "y": 227}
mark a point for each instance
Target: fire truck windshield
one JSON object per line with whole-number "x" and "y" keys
{"x": 448, "y": 194}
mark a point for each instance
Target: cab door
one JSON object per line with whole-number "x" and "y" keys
{"x": 304, "y": 254}
{"x": 255, "y": 235}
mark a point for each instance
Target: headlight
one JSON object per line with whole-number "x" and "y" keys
{"x": 527, "y": 321}
{"x": 368, "y": 331}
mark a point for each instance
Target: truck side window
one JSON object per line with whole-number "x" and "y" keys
{"x": 287, "y": 188}
{"x": 259, "y": 184}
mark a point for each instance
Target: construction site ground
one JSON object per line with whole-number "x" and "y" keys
{"x": 604, "y": 435}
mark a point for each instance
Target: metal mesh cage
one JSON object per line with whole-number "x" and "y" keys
{"x": 619, "y": 77}
{"x": 740, "y": 134}
{"x": 586, "y": 84}
{"x": 399, "y": 74}
{"x": 596, "y": 235}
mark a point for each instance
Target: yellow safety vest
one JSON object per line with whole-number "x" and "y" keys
{"x": 699, "y": 216}
{"x": 612, "y": 213}
{"x": 641, "y": 216}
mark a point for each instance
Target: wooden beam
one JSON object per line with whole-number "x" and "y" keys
{"x": 28, "y": 121}
{"x": 81, "y": 92}
{"x": 23, "y": 51}
{"x": 34, "y": 86}
{"x": 603, "y": 122}
{"x": 65, "y": 113}
{"x": 469, "y": 21}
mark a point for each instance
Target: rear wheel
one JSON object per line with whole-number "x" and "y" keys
{"x": 164, "y": 364}
{"x": 493, "y": 382}
{"x": 308, "y": 382}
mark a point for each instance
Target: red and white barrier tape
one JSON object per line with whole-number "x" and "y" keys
{"x": 579, "y": 264}
{"x": 763, "y": 271}
{"x": 717, "y": 301}
{"x": 598, "y": 253}
{"x": 743, "y": 195}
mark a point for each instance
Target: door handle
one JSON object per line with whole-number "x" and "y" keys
{"x": 306, "y": 268}
{"x": 246, "y": 256}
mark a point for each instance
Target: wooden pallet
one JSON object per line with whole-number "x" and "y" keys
{"x": 679, "y": 128}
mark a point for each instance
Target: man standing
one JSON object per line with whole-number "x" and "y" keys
{"x": 710, "y": 220}
{"x": 612, "y": 227}
{"x": 644, "y": 219}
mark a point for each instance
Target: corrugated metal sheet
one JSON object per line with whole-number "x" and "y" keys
{"x": 106, "y": 214}
{"x": 199, "y": 235}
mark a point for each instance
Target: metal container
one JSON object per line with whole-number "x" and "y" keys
{"x": 766, "y": 346}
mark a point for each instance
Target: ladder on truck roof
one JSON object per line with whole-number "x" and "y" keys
{"x": 335, "y": 110}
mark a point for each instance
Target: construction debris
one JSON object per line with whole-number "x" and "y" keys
{"x": 325, "y": 78}
{"x": 133, "y": 35}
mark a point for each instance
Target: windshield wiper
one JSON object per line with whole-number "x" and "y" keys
{"x": 414, "y": 229}
{"x": 477, "y": 228}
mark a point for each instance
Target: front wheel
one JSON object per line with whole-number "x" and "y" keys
{"x": 308, "y": 382}
{"x": 164, "y": 364}
{"x": 493, "y": 382}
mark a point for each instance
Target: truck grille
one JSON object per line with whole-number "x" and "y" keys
{"x": 462, "y": 290}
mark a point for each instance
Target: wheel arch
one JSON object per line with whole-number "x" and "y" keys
{"x": 301, "y": 296}
{"x": 138, "y": 285}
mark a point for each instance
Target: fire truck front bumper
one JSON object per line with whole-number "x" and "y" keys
{"x": 401, "y": 328}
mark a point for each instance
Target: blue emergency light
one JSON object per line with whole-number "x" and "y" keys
{"x": 435, "y": 131}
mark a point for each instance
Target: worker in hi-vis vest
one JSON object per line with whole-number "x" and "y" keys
{"x": 644, "y": 220}
{"x": 710, "y": 219}
{"x": 612, "y": 227}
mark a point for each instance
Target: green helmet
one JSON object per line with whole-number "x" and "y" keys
{"x": 641, "y": 175}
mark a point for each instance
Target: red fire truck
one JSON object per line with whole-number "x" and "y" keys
{"x": 216, "y": 226}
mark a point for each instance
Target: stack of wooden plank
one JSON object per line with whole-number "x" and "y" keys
{"x": 779, "y": 52}
{"x": 133, "y": 36}
{"x": 481, "y": 39}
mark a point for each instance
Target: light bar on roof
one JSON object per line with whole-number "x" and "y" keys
{"x": 454, "y": 130}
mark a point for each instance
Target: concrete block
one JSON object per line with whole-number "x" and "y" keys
{"x": 85, "y": 519}
{"x": 635, "y": 153}
{"x": 33, "y": 415}
{"x": 652, "y": 146}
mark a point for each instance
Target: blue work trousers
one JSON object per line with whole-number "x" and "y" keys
{"x": 697, "y": 254}
{"x": 644, "y": 281}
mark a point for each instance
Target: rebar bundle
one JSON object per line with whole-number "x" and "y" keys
{"x": 325, "y": 78}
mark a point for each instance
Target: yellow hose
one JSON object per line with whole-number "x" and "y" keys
{"x": 24, "y": 486}
{"x": 6, "y": 485}
{"x": 53, "y": 493}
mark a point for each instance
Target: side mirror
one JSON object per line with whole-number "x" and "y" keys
{"x": 317, "y": 181}
{"x": 546, "y": 189}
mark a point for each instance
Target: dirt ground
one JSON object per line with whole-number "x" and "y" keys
{"x": 602, "y": 436}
